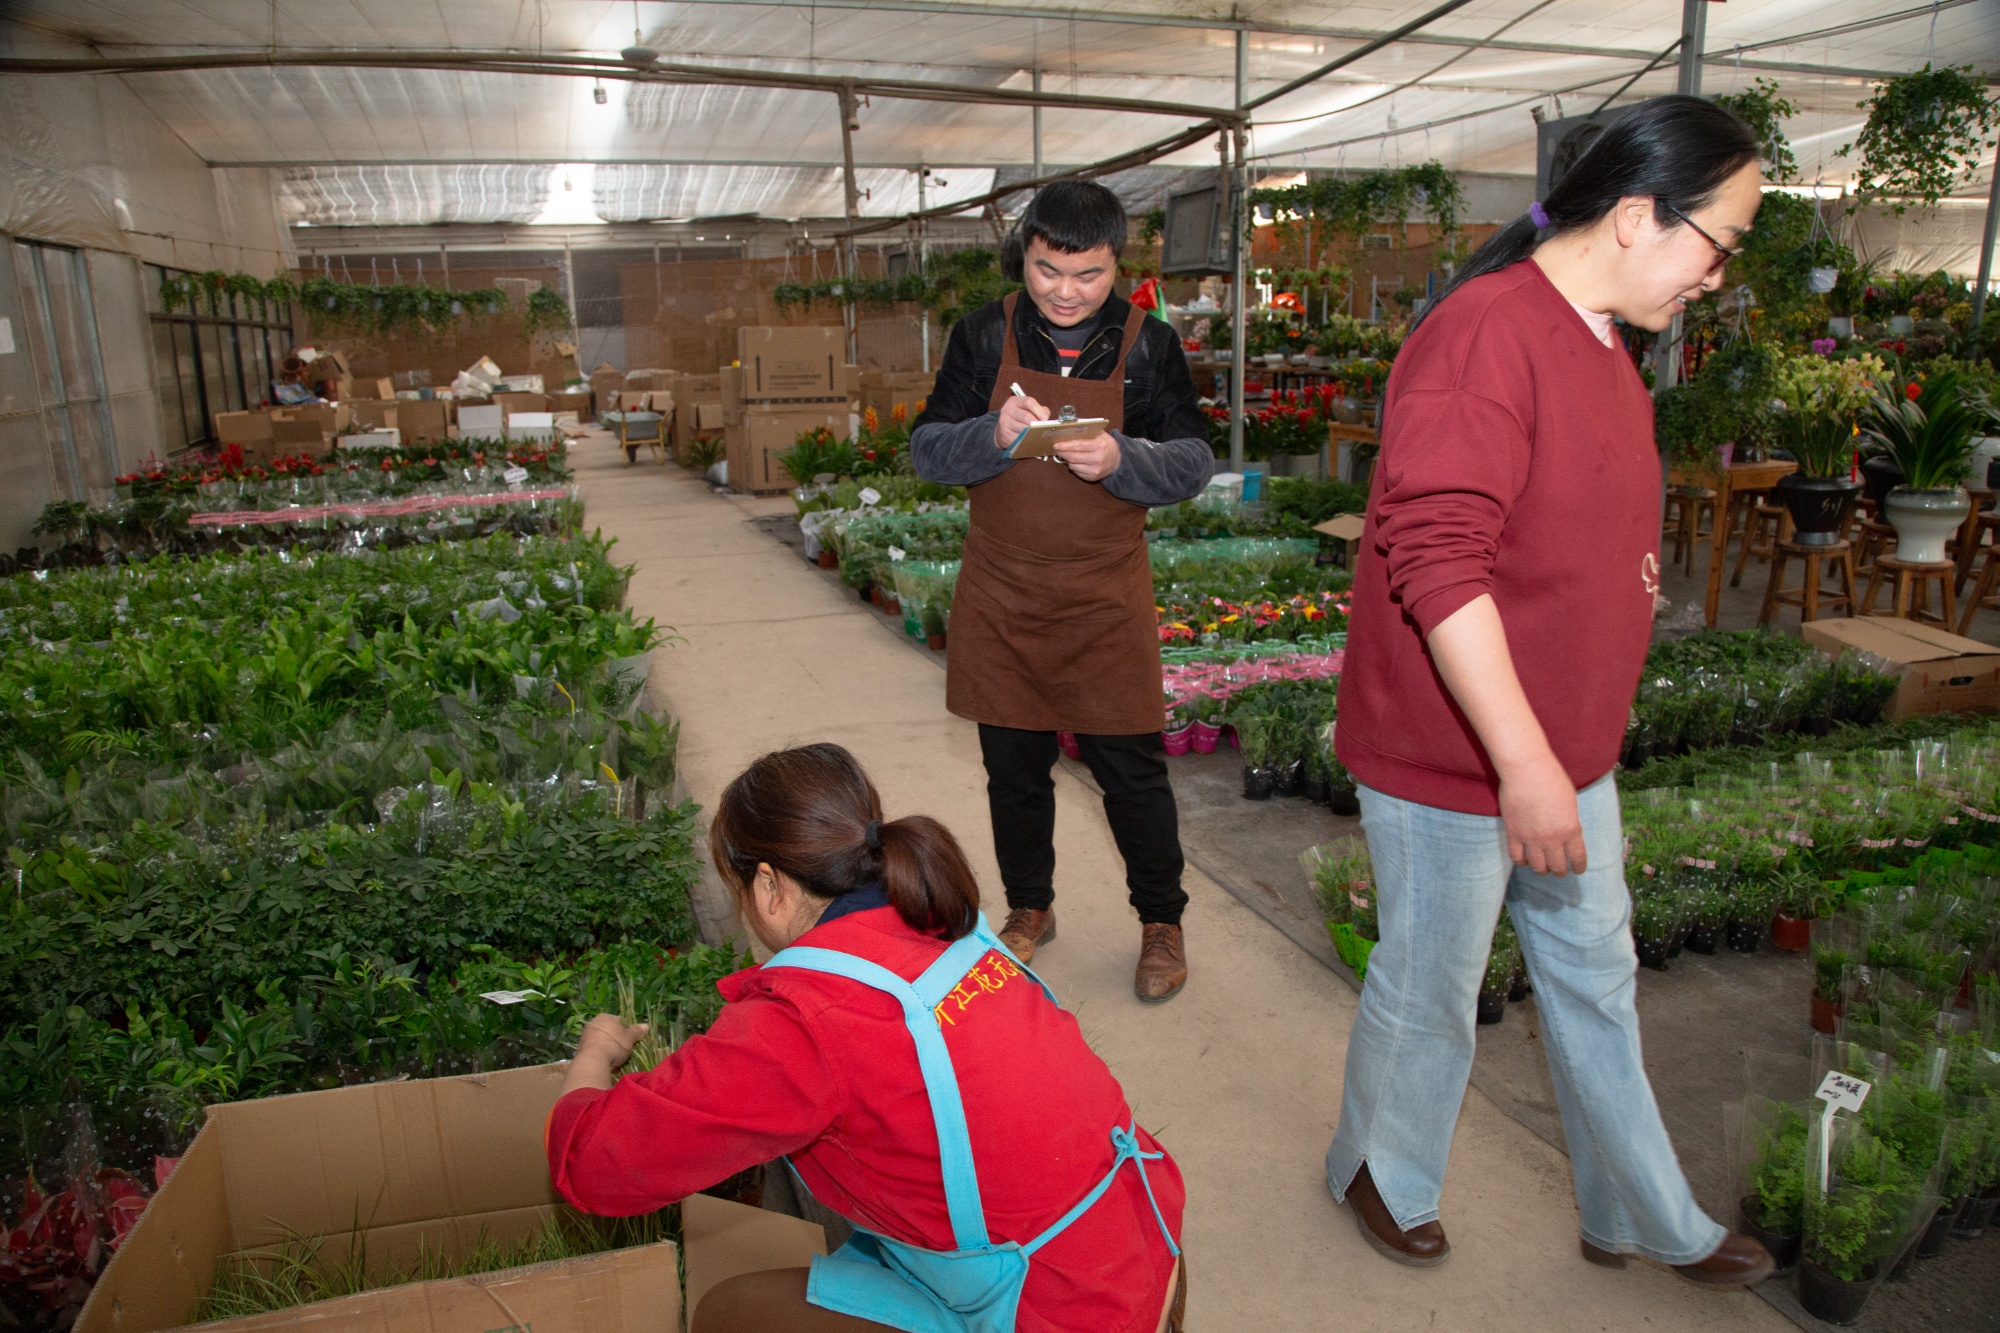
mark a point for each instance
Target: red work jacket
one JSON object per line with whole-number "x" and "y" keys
{"x": 822, "y": 1069}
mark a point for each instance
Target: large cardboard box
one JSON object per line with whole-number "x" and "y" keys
{"x": 1939, "y": 672}
{"x": 434, "y": 1164}
{"x": 710, "y": 416}
{"x": 486, "y": 421}
{"x": 332, "y": 417}
{"x": 244, "y": 428}
{"x": 649, "y": 378}
{"x": 732, "y": 395}
{"x": 374, "y": 413}
{"x": 781, "y": 363}
{"x": 293, "y": 437}
{"x": 577, "y": 402}
{"x": 883, "y": 389}
{"x": 424, "y": 419}
{"x": 766, "y": 432}
{"x": 510, "y": 403}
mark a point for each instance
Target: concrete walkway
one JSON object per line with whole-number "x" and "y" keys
{"x": 1239, "y": 1075}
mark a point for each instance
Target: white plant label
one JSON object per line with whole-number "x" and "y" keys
{"x": 1842, "y": 1092}
{"x": 514, "y": 996}
{"x": 514, "y": 476}
{"x": 897, "y": 553}
{"x": 869, "y": 495}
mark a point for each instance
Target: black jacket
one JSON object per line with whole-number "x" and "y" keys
{"x": 1165, "y": 454}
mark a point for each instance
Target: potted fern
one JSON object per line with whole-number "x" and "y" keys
{"x": 1927, "y": 432}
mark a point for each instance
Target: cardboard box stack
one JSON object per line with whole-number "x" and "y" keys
{"x": 883, "y": 389}
{"x": 431, "y": 1166}
{"x": 698, "y": 399}
{"x": 786, "y": 381}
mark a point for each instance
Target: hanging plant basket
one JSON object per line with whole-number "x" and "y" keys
{"x": 1926, "y": 131}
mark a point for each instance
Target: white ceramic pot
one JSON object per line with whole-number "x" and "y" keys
{"x": 1924, "y": 520}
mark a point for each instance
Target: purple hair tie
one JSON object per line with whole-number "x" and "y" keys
{"x": 1538, "y": 215}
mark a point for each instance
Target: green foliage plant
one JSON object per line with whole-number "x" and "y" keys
{"x": 1926, "y": 131}
{"x": 1761, "y": 108}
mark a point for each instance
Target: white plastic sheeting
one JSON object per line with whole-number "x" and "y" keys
{"x": 687, "y": 150}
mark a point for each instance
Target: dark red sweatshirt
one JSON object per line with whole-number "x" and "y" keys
{"x": 823, "y": 1069}
{"x": 1517, "y": 460}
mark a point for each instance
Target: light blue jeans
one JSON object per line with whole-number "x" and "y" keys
{"x": 1440, "y": 880}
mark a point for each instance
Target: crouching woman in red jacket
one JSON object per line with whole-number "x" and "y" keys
{"x": 922, "y": 1082}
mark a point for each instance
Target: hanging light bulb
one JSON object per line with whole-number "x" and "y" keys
{"x": 599, "y": 96}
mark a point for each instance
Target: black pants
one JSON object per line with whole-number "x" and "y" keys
{"x": 1138, "y": 803}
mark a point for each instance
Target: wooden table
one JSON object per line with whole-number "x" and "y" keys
{"x": 1340, "y": 432}
{"x": 1731, "y": 484}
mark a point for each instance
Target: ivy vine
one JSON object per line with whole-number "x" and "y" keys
{"x": 1925, "y": 132}
{"x": 1352, "y": 206}
{"x": 547, "y": 310}
{"x": 1760, "y": 108}
{"x": 341, "y": 307}
{"x": 951, "y": 284}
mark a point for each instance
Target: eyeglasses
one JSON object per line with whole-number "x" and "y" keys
{"x": 1723, "y": 254}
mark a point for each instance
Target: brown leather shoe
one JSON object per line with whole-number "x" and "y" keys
{"x": 1027, "y": 929}
{"x": 1162, "y": 963}
{"x": 1738, "y": 1262}
{"x": 1420, "y": 1247}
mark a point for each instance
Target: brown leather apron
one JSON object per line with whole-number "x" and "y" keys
{"x": 1053, "y": 626}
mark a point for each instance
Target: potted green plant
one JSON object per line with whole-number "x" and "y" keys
{"x": 1819, "y": 495}
{"x": 1793, "y": 890}
{"x": 1501, "y": 961}
{"x": 1654, "y": 921}
{"x": 1766, "y": 1139}
{"x": 1858, "y": 1217}
{"x": 1255, "y": 737}
{"x": 1749, "y": 912}
{"x": 1838, "y": 943}
{"x": 1927, "y": 432}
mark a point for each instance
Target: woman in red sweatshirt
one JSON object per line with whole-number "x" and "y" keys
{"x": 920, "y": 1080}
{"x": 1502, "y": 609}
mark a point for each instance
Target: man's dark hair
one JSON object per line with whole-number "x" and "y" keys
{"x": 1075, "y": 216}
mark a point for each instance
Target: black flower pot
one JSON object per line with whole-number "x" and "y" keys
{"x": 1677, "y": 941}
{"x": 1318, "y": 790}
{"x": 1743, "y": 936}
{"x": 1492, "y": 1007}
{"x": 1518, "y": 988}
{"x": 1830, "y": 1298}
{"x": 1879, "y": 476}
{"x": 1819, "y": 506}
{"x": 1291, "y": 779}
{"x": 1978, "y": 1212}
{"x": 1653, "y": 953}
{"x": 1258, "y": 784}
{"x": 1344, "y": 801}
{"x": 1784, "y": 1247}
{"x": 1931, "y": 1244}
{"x": 1703, "y": 939}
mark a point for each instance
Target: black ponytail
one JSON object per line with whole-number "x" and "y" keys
{"x": 1676, "y": 149}
{"x": 813, "y": 814}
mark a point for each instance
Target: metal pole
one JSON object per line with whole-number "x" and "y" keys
{"x": 924, "y": 262}
{"x": 1038, "y": 128}
{"x": 1240, "y": 290}
{"x": 849, "y": 273}
{"x": 1694, "y": 37}
{"x": 1985, "y": 258}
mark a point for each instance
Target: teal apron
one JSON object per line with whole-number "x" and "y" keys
{"x": 976, "y": 1287}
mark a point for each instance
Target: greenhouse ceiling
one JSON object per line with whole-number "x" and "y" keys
{"x": 384, "y": 112}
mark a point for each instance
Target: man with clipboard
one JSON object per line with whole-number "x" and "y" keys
{"x": 1053, "y": 624}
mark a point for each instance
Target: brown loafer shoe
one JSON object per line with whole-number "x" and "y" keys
{"x": 1738, "y": 1262}
{"x": 1419, "y": 1247}
{"x": 1027, "y": 929}
{"x": 1162, "y": 963}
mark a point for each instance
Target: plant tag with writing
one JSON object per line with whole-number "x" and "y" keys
{"x": 514, "y": 476}
{"x": 869, "y": 495}
{"x": 1842, "y": 1092}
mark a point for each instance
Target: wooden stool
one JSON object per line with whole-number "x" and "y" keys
{"x": 1875, "y": 537}
{"x": 1986, "y": 592}
{"x": 1911, "y": 600}
{"x": 1764, "y": 527}
{"x": 1979, "y": 522}
{"x": 1809, "y": 597}
{"x": 1686, "y": 506}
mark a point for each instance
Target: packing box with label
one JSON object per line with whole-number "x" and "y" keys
{"x": 752, "y": 447}
{"x": 1937, "y": 671}
{"x": 781, "y": 363}
{"x": 425, "y": 1166}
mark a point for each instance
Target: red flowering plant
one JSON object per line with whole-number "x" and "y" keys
{"x": 1211, "y": 619}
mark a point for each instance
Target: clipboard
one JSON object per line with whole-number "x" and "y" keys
{"x": 1038, "y": 439}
